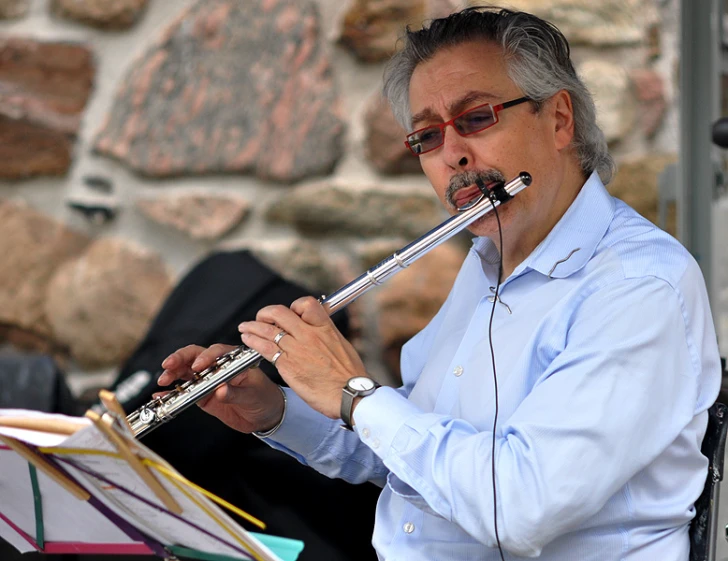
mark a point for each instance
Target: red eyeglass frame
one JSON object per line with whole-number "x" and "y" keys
{"x": 494, "y": 108}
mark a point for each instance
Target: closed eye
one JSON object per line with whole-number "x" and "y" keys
{"x": 475, "y": 120}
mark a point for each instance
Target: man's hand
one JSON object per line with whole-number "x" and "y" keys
{"x": 315, "y": 359}
{"x": 250, "y": 402}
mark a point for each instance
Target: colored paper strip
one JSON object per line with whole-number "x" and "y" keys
{"x": 38, "y": 505}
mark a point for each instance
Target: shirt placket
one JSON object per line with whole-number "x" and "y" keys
{"x": 458, "y": 369}
{"x": 409, "y": 531}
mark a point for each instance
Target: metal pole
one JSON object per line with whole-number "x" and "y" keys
{"x": 699, "y": 75}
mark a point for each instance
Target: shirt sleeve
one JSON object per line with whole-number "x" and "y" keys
{"x": 317, "y": 441}
{"x": 616, "y": 396}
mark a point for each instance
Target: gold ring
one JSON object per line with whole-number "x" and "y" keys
{"x": 279, "y": 337}
{"x": 276, "y": 357}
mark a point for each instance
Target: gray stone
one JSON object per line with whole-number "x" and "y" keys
{"x": 332, "y": 209}
{"x": 654, "y": 41}
{"x": 649, "y": 88}
{"x": 44, "y": 89}
{"x": 606, "y": 23}
{"x": 636, "y": 184}
{"x": 384, "y": 141}
{"x": 100, "y": 304}
{"x": 33, "y": 246}
{"x": 296, "y": 260}
{"x": 200, "y": 215}
{"x": 373, "y": 252}
{"x": 230, "y": 87}
{"x": 371, "y": 27}
{"x": 26, "y": 340}
{"x": 615, "y": 102}
{"x": 111, "y": 14}
{"x": 12, "y": 9}
{"x": 442, "y": 8}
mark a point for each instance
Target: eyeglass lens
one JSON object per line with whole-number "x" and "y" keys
{"x": 470, "y": 122}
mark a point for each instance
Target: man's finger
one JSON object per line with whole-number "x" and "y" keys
{"x": 177, "y": 365}
{"x": 182, "y": 357}
{"x": 264, "y": 346}
{"x": 182, "y": 363}
{"x": 207, "y": 357}
{"x": 311, "y": 311}
{"x": 262, "y": 330}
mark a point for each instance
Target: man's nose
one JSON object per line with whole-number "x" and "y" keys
{"x": 456, "y": 148}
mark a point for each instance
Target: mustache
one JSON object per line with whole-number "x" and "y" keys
{"x": 468, "y": 178}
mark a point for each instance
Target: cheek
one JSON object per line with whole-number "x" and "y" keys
{"x": 541, "y": 141}
{"x": 532, "y": 153}
{"x": 504, "y": 151}
{"x": 436, "y": 174}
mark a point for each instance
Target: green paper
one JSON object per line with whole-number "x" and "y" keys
{"x": 38, "y": 503}
{"x": 284, "y": 548}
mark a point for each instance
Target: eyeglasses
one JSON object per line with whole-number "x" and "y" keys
{"x": 471, "y": 121}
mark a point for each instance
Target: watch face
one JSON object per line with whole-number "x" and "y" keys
{"x": 361, "y": 383}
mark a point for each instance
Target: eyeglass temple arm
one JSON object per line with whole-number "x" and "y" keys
{"x": 508, "y": 104}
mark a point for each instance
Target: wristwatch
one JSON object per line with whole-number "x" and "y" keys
{"x": 358, "y": 386}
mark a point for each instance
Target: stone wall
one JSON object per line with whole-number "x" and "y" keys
{"x": 136, "y": 136}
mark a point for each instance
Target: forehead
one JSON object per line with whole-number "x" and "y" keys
{"x": 452, "y": 73}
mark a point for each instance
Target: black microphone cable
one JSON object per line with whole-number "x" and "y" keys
{"x": 493, "y": 199}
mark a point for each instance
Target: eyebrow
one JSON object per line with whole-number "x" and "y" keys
{"x": 456, "y": 107}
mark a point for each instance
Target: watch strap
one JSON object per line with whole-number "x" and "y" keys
{"x": 347, "y": 403}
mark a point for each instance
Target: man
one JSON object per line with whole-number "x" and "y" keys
{"x": 594, "y": 324}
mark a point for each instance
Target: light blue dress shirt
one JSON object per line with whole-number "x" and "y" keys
{"x": 606, "y": 360}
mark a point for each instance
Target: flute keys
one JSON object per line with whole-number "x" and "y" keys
{"x": 146, "y": 416}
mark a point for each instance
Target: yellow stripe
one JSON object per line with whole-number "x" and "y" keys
{"x": 215, "y": 498}
{"x": 172, "y": 479}
{"x": 169, "y": 474}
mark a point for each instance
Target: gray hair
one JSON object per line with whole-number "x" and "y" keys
{"x": 537, "y": 59}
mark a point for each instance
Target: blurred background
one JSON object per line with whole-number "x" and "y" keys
{"x": 140, "y": 137}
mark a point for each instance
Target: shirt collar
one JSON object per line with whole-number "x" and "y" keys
{"x": 574, "y": 239}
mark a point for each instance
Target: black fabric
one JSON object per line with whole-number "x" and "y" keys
{"x": 333, "y": 518}
{"x": 34, "y": 381}
{"x": 713, "y": 448}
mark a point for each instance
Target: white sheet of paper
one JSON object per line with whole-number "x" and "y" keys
{"x": 37, "y": 438}
{"x": 161, "y": 525}
{"x": 173, "y": 530}
{"x": 65, "y": 518}
{"x": 13, "y": 538}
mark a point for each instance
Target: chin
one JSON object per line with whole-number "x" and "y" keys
{"x": 487, "y": 226}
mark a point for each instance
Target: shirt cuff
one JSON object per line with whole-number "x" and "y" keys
{"x": 303, "y": 429}
{"x": 385, "y": 421}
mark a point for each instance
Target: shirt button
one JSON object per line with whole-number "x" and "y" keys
{"x": 458, "y": 371}
{"x": 375, "y": 443}
{"x": 408, "y": 528}
{"x": 365, "y": 433}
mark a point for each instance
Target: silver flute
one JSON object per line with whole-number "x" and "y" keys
{"x": 231, "y": 364}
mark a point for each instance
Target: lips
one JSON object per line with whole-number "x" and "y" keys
{"x": 465, "y": 195}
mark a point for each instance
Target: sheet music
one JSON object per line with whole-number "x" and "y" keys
{"x": 65, "y": 518}
{"x": 38, "y": 438}
{"x": 189, "y": 531}
{"x": 13, "y": 538}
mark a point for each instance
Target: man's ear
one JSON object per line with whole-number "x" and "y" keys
{"x": 563, "y": 113}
